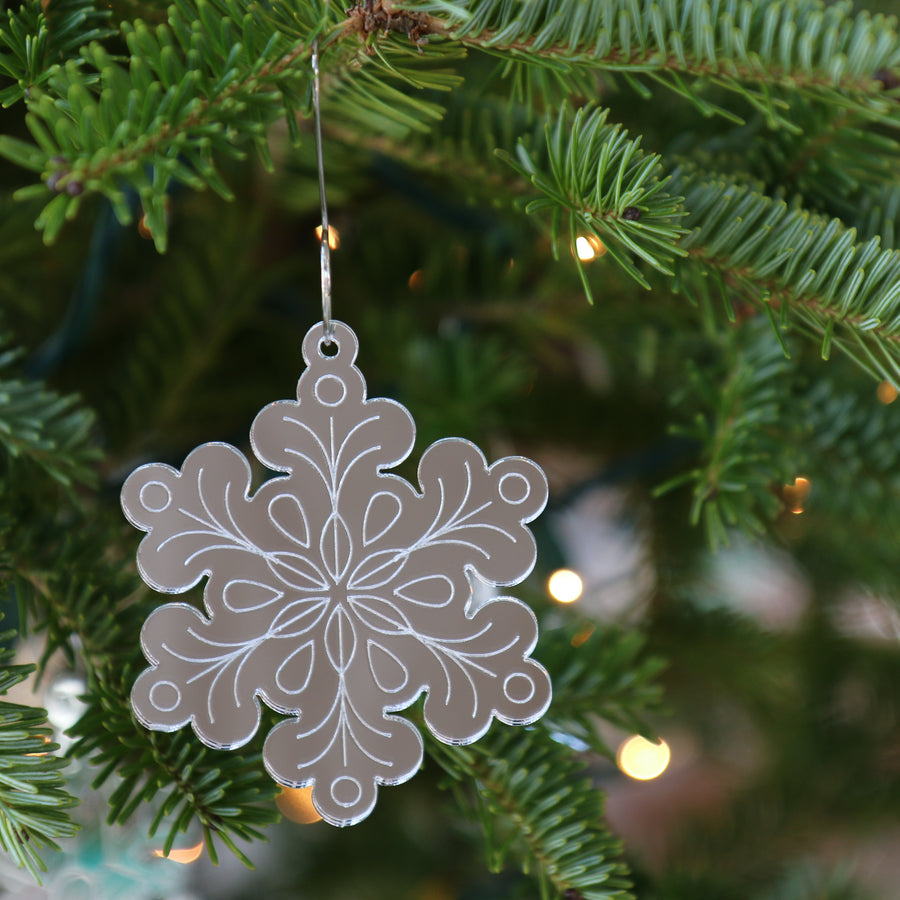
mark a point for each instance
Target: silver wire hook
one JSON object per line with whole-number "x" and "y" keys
{"x": 324, "y": 245}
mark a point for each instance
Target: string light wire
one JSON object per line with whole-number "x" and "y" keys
{"x": 324, "y": 247}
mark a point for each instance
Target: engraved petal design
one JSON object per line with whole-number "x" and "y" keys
{"x": 337, "y": 593}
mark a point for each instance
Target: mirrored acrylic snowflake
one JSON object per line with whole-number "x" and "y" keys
{"x": 337, "y": 593}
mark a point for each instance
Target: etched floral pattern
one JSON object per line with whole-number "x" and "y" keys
{"x": 337, "y": 593}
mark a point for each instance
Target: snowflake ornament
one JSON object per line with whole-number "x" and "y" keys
{"x": 337, "y": 593}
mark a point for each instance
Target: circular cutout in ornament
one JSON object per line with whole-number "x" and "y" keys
{"x": 518, "y": 688}
{"x": 171, "y": 696}
{"x": 346, "y": 791}
{"x": 330, "y": 390}
{"x": 514, "y": 488}
{"x": 155, "y": 496}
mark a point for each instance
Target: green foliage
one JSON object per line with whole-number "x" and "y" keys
{"x": 800, "y": 267}
{"x": 34, "y": 40}
{"x": 599, "y": 673}
{"x": 834, "y": 159}
{"x": 373, "y": 94}
{"x": 878, "y": 214}
{"x": 862, "y": 442}
{"x": 44, "y": 429}
{"x": 605, "y": 185}
{"x": 754, "y": 49}
{"x": 230, "y": 795}
{"x": 214, "y": 72}
{"x": 808, "y": 268}
{"x": 475, "y": 377}
{"x": 160, "y": 118}
{"x": 735, "y": 400}
{"x": 533, "y": 803}
{"x": 34, "y": 803}
{"x": 851, "y": 523}
{"x": 67, "y": 592}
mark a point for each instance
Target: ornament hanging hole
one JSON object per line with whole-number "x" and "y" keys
{"x": 329, "y": 348}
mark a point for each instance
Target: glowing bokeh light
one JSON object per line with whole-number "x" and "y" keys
{"x": 47, "y": 740}
{"x": 588, "y": 247}
{"x": 886, "y": 392}
{"x": 565, "y": 586}
{"x": 795, "y": 494}
{"x": 334, "y": 236}
{"x": 296, "y": 804}
{"x": 643, "y": 760}
{"x": 583, "y": 635}
{"x": 184, "y": 856}
{"x": 584, "y": 250}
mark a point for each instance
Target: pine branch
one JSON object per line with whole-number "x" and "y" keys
{"x": 851, "y": 454}
{"x": 38, "y": 36}
{"x": 229, "y": 795}
{"x": 836, "y": 161}
{"x": 188, "y": 94}
{"x": 756, "y": 50}
{"x": 596, "y": 180}
{"x": 375, "y": 96}
{"x": 464, "y": 146}
{"x": 188, "y": 91}
{"x": 50, "y": 431}
{"x": 81, "y": 604}
{"x": 878, "y": 214}
{"x": 838, "y": 158}
{"x": 33, "y": 799}
{"x": 737, "y": 403}
{"x": 599, "y": 673}
{"x": 802, "y": 268}
{"x": 534, "y": 804}
{"x": 76, "y": 600}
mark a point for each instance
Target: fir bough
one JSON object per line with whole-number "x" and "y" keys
{"x": 34, "y": 802}
{"x": 532, "y": 801}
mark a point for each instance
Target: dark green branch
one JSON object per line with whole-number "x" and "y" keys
{"x": 752, "y": 49}
{"x": 518, "y": 775}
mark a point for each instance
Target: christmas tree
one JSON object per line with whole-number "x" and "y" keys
{"x": 647, "y": 243}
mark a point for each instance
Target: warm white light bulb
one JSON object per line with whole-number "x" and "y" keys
{"x": 643, "y": 760}
{"x": 584, "y": 249}
{"x": 184, "y": 855}
{"x": 795, "y": 494}
{"x": 565, "y": 586}
{"x": 296, "y": 804}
